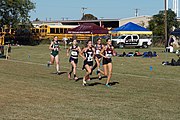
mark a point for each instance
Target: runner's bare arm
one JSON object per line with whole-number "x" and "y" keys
{"x": 67, "y": 52}
{"x": 81, "y": 54}
{"x": 50, "y": 46}
{"x": 94, "y": 52}
{"x": 102, "y": 51}
{"x": 79, "y": 49}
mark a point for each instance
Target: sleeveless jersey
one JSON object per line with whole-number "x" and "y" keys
{"x": 98, "y": 49}
{"x": 55, "y": 45}
{"x": 74, "y": 52}
{"x": 55, "y": 51}
{"x": 108, "y": 52}
{"x": 89, "y": 55}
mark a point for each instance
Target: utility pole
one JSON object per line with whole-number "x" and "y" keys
{"x": 165, "y": 22}
{"x": 136, "y": 12}
{"x": 82, "y": 10}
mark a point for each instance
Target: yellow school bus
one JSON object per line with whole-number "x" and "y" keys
{"x": 48, "y": 31}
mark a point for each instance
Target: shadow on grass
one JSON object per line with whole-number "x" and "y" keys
{"x": 113, "y": 83}
{"x": 92, "y": 78}
{"x": 98, "y": 83}
{"x": 59, "y": 73}
{"x": 93, "y": 84}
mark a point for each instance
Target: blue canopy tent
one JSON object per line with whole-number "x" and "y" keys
{"x": 131, "y": 28}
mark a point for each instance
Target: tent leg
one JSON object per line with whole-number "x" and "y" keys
{"x": 92, "y": 38}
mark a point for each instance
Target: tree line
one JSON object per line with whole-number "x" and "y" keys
{"x": 15, "y": 14}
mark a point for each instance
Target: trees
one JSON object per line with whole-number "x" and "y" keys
{"x": 13, "y": 12}
{"x": 156, "y": 24}
{"x": 89, "y": 17}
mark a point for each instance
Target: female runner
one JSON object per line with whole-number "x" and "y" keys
{"x": 107, "y": 52}
{"x": 54, "y": 47}
{"x": 88, "y": 56}
{"x": 74, "y": 52}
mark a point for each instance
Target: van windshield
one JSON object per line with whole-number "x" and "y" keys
{"x": 121, "y": 37}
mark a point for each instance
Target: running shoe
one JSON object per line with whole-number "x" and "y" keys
{"x": 99, "y": 77}
{"x": 48, "y": 64}
{"x": 58, "y": 72}
{"x": 107, "y": 85}
{"x": 84, "y": 82}
{"x": 76, "y": 78}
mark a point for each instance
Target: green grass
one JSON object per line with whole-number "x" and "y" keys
{"x": 30, "y": 90}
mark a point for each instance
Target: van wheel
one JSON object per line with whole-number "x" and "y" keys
{"x": 144, "y": 45}
{"x": 121, "y": 45}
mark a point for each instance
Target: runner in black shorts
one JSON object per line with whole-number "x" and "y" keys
{"x": 107, "y": 52}
{"x": 73, "y": 59}
{"x": 98, "y": 48}
{"x": 88, "y": 56}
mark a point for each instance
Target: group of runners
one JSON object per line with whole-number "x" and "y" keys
{"x": 90, "y": 53}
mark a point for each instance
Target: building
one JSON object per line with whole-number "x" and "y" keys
{"x": 48, "y": 29}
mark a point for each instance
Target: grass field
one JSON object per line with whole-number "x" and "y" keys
{"x": 30, "y": 90}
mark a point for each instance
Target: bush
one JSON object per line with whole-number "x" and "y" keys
{"x": 158, "y": 41}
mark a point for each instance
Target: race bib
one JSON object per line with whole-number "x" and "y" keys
{"x": 90, "y": 58}
{"x": 74, "y": 53}
{"x": 56, "y": 49}
{"x": 97, "y": 51}
{"x": 109, "y": 55}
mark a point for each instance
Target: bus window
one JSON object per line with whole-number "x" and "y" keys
{"x": 61, "y": 30}
{"x": 57, "y": 30}
{"x": 7, "y": 30}
{"x": 37, "y": 30}
{"x": 42, "y": 30}
{"x": 52, "y": 30}
{"x": 65, "y": 30}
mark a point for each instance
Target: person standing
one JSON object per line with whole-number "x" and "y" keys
{"x": 88, "y": 56}
{"x": 107, "y": 52}
{"x": 98, "y": 48}
{"x": 8, "y": 51}
{"x": 54, "y": 47}
{"x": 74, "y": 52}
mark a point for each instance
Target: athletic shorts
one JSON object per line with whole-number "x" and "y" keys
{"x": 54, "y": 53}
{"x": 106, "y": 61}
{"x": 98, "y": 56}
{"x": 90, "y": 63}
{"x": 72, "y": 59}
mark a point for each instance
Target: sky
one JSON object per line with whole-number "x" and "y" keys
{"x": 106, "y": 9}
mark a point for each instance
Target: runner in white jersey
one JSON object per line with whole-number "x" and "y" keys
{"x": 74, "y": 51}
{"x": 88, "y": 56}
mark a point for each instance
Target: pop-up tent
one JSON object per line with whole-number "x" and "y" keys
{"x": 131, "y": 28}
{"x": 88, "y": 28}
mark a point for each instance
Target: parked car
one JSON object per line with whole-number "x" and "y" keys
{"x": 131, "y": 41}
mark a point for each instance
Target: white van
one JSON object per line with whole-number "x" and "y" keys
{"x": 131, "y": 41}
